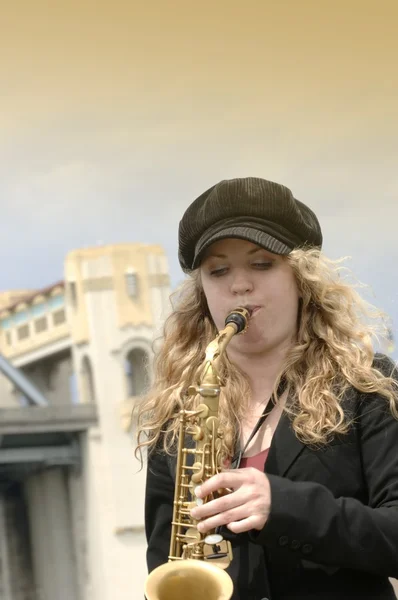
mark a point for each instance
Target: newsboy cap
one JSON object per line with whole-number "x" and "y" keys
{"x": 252, "y": 209}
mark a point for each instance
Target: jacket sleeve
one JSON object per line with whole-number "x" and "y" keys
{"x": 343, "y": 532}
{"x": 159, "y": 495}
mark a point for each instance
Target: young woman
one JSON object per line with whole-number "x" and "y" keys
{"x": 313, "y": 508}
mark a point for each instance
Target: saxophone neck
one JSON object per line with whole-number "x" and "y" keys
{"x": 235, "y": 323}
{"x": 214, "y": 353}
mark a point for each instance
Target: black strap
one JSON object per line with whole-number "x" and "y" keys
{"x": 267, "y": 410}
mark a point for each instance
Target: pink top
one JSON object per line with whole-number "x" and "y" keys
{"x": 257, "y": 461}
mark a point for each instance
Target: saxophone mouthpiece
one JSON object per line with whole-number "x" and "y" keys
{"x": 240, "y": 317}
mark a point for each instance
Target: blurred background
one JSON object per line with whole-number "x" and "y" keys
{"x": 114, "y": 117}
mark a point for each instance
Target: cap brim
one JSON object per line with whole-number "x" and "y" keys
{"x": 262, "y": 239}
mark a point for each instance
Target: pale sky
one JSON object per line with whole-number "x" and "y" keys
{"x": 115, "y": 116}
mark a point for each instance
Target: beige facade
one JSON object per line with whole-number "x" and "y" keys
{"x": 88, "y": 339}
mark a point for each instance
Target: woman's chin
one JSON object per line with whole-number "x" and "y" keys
{"x": 251, "y": 345}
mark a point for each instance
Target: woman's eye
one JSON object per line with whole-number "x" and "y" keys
{"x": 262, "y": 265}
{"x": 218, "y": 272}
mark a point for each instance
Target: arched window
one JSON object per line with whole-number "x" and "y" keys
{"x": 136, "y": 369}
{"x": 87, "y": 381}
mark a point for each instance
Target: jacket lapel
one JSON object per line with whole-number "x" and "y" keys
{"x": 285, "y": 448}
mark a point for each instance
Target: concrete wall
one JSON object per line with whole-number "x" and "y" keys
{"x": 53, "y": 377}
{"x": 16, "y": 573}
{"x": 8, "y": 398}
{"x": 53, "y": 551}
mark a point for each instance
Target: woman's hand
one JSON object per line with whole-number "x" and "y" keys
{"x": 246, "y": 507}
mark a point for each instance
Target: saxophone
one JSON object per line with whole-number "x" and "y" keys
{"x": 195, "y": 569}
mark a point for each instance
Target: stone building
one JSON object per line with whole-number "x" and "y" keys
{"x": 75, "y": 357}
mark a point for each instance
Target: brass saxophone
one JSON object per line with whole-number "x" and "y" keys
{"x": 196, "y": 561}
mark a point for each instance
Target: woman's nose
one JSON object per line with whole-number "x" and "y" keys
{"x": 241, "y": 284}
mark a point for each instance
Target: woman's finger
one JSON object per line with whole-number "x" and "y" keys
{"x": 219, "y": 505}
{"x": 229, "y": 516}
{"x": 251, "y": 522}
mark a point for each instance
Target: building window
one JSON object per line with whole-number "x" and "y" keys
{"x": 22, "y": 332}
{"x": 132, "y": 284}
{"x": 136, "y": 369}
{"x": 8, "y": 338}
{"x": 59, "y": 317}
{"x": 72, "y": 293}
{"x": 40, "y": 324}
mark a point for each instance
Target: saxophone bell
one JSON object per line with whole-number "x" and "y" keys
{"x": 193, "y": 579}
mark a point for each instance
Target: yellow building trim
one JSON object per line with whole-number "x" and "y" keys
{"x": 98, "y": 284}
{"x": 159, "y": 280}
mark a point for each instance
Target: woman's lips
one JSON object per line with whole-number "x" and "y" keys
{"x": 253, "y": 309}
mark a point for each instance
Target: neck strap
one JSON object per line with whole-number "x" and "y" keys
{"x": 267, "y": 410}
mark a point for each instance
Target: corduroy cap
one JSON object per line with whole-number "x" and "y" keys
{"x": 252, "y": 209}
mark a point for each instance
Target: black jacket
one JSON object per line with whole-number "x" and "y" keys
{"x": 333, "y": 528}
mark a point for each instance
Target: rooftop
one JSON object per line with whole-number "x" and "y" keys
{"x": 27, "y": 297}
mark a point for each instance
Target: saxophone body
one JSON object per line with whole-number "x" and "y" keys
{"x": 195, "y": 569}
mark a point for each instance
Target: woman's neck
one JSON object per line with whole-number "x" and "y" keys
{"x": 262, "y": 372}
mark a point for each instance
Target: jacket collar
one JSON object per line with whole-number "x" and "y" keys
{"x": 285, "y": 448}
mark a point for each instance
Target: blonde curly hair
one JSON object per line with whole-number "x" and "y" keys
{"x": 333, "y": 351}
